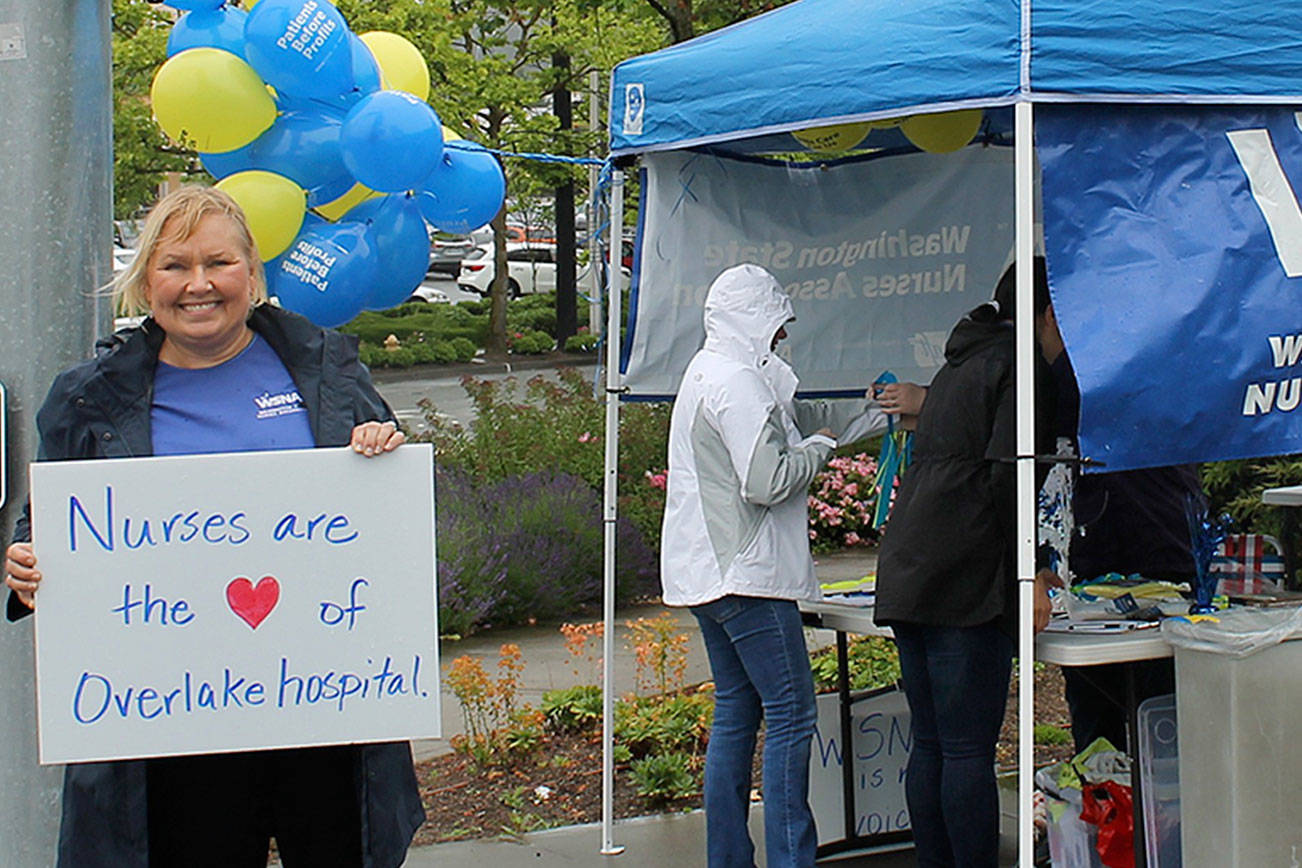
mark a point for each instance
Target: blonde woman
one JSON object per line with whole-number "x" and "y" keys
{"x": 183, "y": 382}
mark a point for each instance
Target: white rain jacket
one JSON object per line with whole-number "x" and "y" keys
{"x": 736, "y": 512}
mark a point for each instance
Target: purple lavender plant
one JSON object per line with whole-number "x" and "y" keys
{"x": 528, "y": 547}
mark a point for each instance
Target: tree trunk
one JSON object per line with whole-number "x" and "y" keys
{"x": 567, "y": 318}
{"x": 678, "y": 13}
{"x": 499, "y": 294}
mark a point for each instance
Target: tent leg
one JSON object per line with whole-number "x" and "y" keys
{"x": 611, "y": 513}
{"x": 1024, "y": 186}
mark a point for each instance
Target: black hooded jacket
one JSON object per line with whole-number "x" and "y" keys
{"x": 948, "y": 555}
{"x": 100, "y": 409}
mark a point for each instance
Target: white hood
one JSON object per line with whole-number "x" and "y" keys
{"x": 744, "y": 309}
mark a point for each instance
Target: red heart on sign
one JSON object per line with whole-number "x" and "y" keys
{"x": 253, "y": 604}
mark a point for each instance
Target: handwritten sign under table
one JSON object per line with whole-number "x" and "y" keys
{"x": 855, "y": 615}
{"x": 239, "y": 601}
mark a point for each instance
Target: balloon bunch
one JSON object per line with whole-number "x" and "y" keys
{"x": 292, "y": 111}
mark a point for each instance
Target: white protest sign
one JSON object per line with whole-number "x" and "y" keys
{"x": 881, "y": 738}
{"x": 228, "y": 602}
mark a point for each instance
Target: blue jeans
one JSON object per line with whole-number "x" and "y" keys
{"x": 956, "y": 681}
{"x": 761, "y": 669}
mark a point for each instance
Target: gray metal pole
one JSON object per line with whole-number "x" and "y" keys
{"x": 614, "y": 380}
{"x": 55, "y": 248}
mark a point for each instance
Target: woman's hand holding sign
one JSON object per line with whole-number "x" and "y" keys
{"x": 376, "y": 438}
{"x": 21, "y": 574}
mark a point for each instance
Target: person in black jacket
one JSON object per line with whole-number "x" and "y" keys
{"x": 946, "y": 584}
{"x": 185, "y": 382}
{"x": 1129, "y": 521}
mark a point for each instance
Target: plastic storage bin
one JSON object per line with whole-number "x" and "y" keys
{"x": 1240, "y": 765}
{"x": 1159, "y": 776}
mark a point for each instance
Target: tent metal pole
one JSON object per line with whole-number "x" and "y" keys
{"x": 1024, "y": 191}
{"x": 614, "y": 292}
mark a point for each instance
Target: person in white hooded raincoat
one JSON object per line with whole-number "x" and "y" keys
{"x": 735, "y": 548}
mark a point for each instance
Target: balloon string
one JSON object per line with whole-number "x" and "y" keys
{"x": 537, "y": 158}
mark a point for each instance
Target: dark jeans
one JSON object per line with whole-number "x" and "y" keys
{"x": 220, "y": 810}
{"x": 1096, "y": 696}
{"x": 956, "y": 681}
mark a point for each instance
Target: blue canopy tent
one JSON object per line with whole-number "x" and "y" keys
{"x": 814, "y": 63}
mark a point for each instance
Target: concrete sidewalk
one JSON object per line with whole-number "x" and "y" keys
{"x": 663, "y": 841}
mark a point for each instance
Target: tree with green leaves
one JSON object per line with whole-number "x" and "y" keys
{"x": 142, "y": 154}
{"x": 492, "y": 76}
{"x": 690, "y": 18}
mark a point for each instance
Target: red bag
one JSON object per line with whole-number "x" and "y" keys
{"x": 1108, "y": 805}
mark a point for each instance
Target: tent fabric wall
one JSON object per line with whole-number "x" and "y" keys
{"x": 818, "y": 62}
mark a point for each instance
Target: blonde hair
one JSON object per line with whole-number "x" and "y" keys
{"x": 175, "y": 218}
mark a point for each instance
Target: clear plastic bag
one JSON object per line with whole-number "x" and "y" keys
{"x": 1235, "y": 633}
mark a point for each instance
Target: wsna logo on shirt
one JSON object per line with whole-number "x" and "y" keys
{"x": 271, "y": 406}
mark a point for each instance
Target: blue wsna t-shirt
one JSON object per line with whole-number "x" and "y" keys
{"x": 245, "y": 404}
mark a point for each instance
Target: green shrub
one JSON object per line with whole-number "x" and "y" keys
{"x": 584, "y": 342}
{"x": 656, "y": 724}
{"x": 442, "y": 352}
{"x": 1046, "y": 733}
{"x": 463, "y": 348}
{"x": 664, "y": 777}
{"x": 400, "y": 358}
{"x": 434, "y": 321}
{"x": 372, "y": 356}
{"x": 557, "y": 426}
{"x": 573, "y": 709}
{"x": 421, "y": 352}
{"x": 530, "y": 342}
{"x": 874, "y": 663}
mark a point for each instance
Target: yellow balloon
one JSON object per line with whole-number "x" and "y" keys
{"x": 942, "y": 132}
{"x": 401, "y": 63}
{"x": 451, "y": 135}
{"x": 841, "y": 137}
{"x": 274, "y": 206}
{"x": 339, "y": 207}
{"x": 210, "y": 99}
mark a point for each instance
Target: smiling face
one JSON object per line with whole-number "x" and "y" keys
{"x": 200, "y": 290}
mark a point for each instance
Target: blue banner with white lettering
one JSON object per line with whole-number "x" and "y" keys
{"x": 1174, "y": 242}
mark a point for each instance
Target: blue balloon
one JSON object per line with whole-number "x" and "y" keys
{"x": 302, "y": 145}
{"x": 300, "y": 47}
{"x": 209, "y": 28}
{"x": 366, "y": 80}
{"x": 327, "y": 272}
{"x": 195, "y": 4}
{"x": 465, "y": 191}
{"x": 228, "y": 162}
{"x": 401, "y": 245}
{"x": 391, "y": 141}
{"x": 366, "y": 72}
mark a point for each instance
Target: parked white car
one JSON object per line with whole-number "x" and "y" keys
{"x": 531, "y": 268}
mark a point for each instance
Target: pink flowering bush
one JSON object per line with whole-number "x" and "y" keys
{"x": 841, "y": 502}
